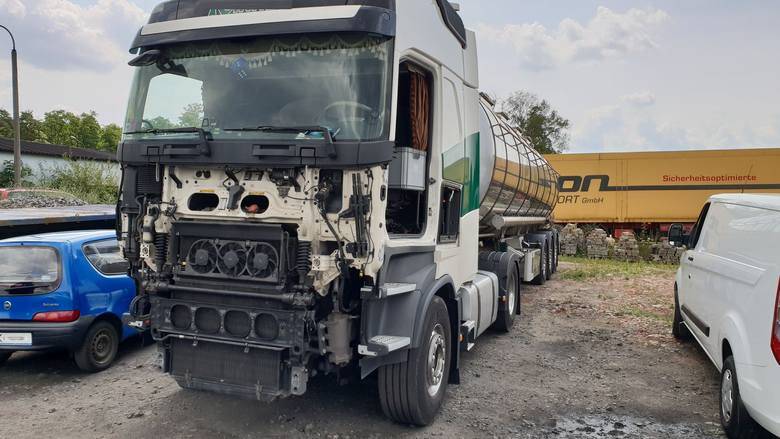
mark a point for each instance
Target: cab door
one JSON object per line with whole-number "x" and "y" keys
{"x": 691, "y": 291}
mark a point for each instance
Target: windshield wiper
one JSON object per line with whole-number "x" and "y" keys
{"x": 328, "y": 135}
{"x": 184, "y": 130}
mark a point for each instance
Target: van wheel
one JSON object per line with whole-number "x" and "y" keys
{"x": 511, "y": 306}
{"x": 99, "y": 348}
{"x": 4, "y": 356}
{"x": 679, "y": 330}
{"x": 412, "y": 392}
{"x": 733, "y": 415}
{"x": 542, "y": 277}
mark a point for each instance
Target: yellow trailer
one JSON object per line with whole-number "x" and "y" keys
{"x": 656, "y": 188}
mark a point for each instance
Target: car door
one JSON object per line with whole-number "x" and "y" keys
{"x": 104, "y": 285}
{"x": 692, "y": 294}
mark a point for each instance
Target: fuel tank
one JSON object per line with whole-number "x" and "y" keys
{"x": 515, "y": 180}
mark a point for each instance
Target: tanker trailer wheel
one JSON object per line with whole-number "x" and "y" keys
{"x": 542, "y": 277}
{"x": 509, "y": 305}
{"x": 412, "y": 392}
{"x": 550, "y": 255}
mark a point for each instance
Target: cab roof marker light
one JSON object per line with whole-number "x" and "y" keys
{"x": 250, "y": 18}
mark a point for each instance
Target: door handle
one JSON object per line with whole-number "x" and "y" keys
{"x": 690, "y": 258}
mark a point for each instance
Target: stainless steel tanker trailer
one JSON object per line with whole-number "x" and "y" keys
{"x": 318, "y": 188}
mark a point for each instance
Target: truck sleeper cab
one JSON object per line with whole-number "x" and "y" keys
{"x": 65, "y": 290}
{"x": 314, "y": 187}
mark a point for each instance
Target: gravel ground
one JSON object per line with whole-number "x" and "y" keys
{"x": 589, "y": 359}
{"x": 23, "y": 200}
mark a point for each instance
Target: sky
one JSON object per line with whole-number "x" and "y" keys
{"x": 630, "y": 75}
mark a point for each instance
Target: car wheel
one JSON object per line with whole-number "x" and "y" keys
{"x": 679, "y": 330}
{"x": 99, "y": 348}
{"x": 412, "y": 392}
{"x": 509, "y": 307}
{"x": 542, "y": 277}
{"x": 4, "y": 356}
{"x": 733, "y": 415}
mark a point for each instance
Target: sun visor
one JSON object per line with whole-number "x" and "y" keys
{"x": 225, "y": 22}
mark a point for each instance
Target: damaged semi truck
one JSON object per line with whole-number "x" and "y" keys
{"x": 318, "y": 188}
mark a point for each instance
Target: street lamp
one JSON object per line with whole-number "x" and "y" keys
{"x": 17, "y": 125}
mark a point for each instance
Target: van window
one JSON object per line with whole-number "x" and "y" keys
{"x": 746, "y": 234}
{"x": 29, "y": 270}
{"x": 697, "y": 228}
{"x": 106, "y": 258}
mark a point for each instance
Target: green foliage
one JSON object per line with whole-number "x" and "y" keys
{"x": 600, "y": 268}
{"x": 160, "y": 122}
{"x": 87, "y": 131}
{"x": 110, "y": 136}
{"x": 93, "y": 182}
{"x": 62, "y": 127}
{"x": 7, "y": 174}
{"x": 192, "y": 116}
{"x": 535, "y": 118}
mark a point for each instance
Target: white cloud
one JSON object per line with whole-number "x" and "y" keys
{"x": 607, "y": 35}
{"x": 641, "y": 99}
{"x": 62, "y": 35}
{"x": 633, "y": 124}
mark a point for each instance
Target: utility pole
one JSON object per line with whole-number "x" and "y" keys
{"x": 17, "y": 122}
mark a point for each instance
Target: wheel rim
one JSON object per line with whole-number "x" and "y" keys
{"x": 727, "y": 395}
{"x": 512, "y": 295}
{"x": 437, "y": 357}
{"x": 102, "y": 346}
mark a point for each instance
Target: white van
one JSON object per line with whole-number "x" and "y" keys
{"x": 727, "y": 295}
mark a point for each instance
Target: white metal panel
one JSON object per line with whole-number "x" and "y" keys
{"x": 259, "y": 17}
{"x": 421, "y": 27}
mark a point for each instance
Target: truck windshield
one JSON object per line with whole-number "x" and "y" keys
{"x": 229, "y": 88}
{"x": 28, "y": 270}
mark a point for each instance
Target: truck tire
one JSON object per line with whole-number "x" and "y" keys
{"x": 4, "y": 356}
{"x": 507, "y": 309}
{"x": 549, "y": 259}
{"x": 99, "y": 348}
{"x": 734, "y": 416}
{"x": 542, "y": 277}
{"x": 679, "y": 330}
{"x": 412, "y": 392}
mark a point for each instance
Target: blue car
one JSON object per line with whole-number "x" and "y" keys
{"x": 65, "y": 290}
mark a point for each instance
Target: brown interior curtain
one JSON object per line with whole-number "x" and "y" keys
{"x": 419, "y": 101}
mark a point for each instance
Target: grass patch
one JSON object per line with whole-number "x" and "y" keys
{"x": 93, "y": 182}
{"x": 598, "y": 268}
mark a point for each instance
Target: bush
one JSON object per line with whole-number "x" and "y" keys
{"x": 7, "y": 174}
{"x": 93, "y": 182}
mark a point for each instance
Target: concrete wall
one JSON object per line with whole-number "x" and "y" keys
{"x": 39, "y": 165}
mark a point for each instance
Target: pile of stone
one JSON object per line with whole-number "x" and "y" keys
{"x": 665, "y": 253}
{"x": 596, "y": 243}
{"x": 37, "y": 200}
{"x": 572, "y": 240}
{"x": 627, "y": 248}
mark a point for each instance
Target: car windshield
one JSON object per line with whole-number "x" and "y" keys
{"x": 28, "y": 270}
{"x": 281, "y": 87}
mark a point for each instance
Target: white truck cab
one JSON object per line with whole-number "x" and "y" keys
{"x": 727, "y": 295}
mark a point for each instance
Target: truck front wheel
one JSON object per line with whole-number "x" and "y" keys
{"x": 412, "y": 392}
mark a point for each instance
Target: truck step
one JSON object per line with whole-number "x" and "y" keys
{"x": 390, "y": 289}
{"x": 383, "y": 345}
{"x": 468, "y": 331}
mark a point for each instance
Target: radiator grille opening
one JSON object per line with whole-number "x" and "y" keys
{"x": 181, "y": 317}
{"x": 208, "y": 320}
{"x": 266, "y": 327}
{"x": 238, "y": 323}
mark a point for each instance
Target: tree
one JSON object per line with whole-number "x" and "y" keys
{"x": 192, "y": 116}
{"x": 59, "y": 127}
{"x": 110, "y": 136}
{"x": 535, "y": 118}
{"x": 30, "y": 129}
{"x": 160, "y": 122}
{"x": 87, "y": 131}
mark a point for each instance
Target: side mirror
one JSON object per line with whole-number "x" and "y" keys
{"x": 676, "y": 235}
{"x": 145, "y": 59}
